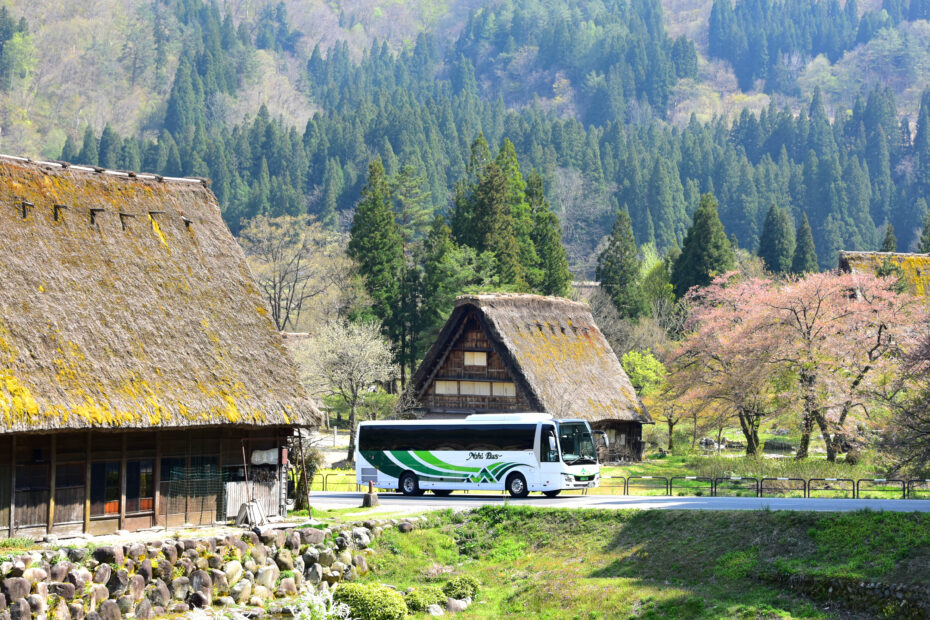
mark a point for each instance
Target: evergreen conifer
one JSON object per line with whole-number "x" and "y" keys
{"x": 923, "y": 245}
{"x": 554, "y": 276}
{"x": 88, "y": 155}
{"x": 805, "y": 254}
{"x": 890, "y": 243}
{"x": 776, "y": 244}
{"x": 619, "y": 267}
{"x": 706, "y": 251}
{"x": 376, "y": 246}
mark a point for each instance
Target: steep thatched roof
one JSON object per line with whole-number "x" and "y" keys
{"x": 915, "y": 267}
{"x": 555, "y": 352}
{"x": 125, "y": 302}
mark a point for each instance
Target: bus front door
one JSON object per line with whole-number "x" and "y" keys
{"x": 550, "y": 466}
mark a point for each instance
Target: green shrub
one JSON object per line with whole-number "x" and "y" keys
{"x": 421, "y": 598}
{"x": 736, "y": 564}
{"x": 371, "y": 601}
{"x": 462, "y": 586}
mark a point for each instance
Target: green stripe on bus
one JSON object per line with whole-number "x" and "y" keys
{"x": 431, "y": 458}
{"x": 382, "y": 463}
{"x": 503, "y": 470}
{"x": 407, "y": 459}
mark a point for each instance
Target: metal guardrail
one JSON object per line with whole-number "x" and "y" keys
{"x": 328, "y": 487}
{"x": 886, "y": 482}
{"x": 912, "y": 488}
{"x": 737, "y": 484}
{"x": 648, "y": 483}
{"x": 782, "y": 487}
{"x": 832, "y": 485}
{"x": 717, "y": 487}
{"x": 696, "y": 484}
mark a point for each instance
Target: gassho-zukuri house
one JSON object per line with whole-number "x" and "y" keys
{"x": 140, "y": 373}
{"x": 514, "y": 353}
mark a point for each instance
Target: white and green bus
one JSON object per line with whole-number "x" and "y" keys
{"x": 487, "y": 452}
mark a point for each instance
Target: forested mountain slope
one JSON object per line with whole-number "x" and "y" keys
{"x": 283, "y": 105}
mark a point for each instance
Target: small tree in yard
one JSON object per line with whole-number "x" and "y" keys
{"x": 727, "y": 358}
{"x": 296, "y": 263}
{"x": 346, "y": 360}
{"x": 648, "y": 376}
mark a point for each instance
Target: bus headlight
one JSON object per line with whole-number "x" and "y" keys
{"x": 568, "y": 478}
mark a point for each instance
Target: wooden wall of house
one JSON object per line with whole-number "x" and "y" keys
{"x": 472, "y": 377}
{"x": 103, "y": 481}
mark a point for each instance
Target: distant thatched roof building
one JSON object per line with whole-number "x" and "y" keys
{"x": 914, "y": 267}
{"x": 505, "y": 352}
{"x": 126, "y": 303}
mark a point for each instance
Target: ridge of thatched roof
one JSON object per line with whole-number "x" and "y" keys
{"x": 915, "y": 267}
{"x": 125, "y": 302}
{"x": 555, "y": 351}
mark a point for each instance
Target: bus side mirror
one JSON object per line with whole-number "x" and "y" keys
{"x": 551, "y": 443}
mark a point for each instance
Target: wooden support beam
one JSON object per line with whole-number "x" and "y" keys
{"x": 156, "y": 477}
{"x": 53, "y": 463}
{"x": 13, "y": 487}
{"x": 87, "y": 486}
{"x": 122, "y": 480}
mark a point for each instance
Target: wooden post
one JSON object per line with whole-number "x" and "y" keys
{"x": 221, "y": 493}
{"x": 245, "y": 465}
{"x": 87, "y": 486}
{"x": 13, "y": 487}
{"x": 124, "y": 438}
{"x": 156, "y": 479}
{"x": 52, "y": 483}
{"x": 303, "y": 468}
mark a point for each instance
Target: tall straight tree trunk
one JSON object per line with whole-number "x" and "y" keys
{"x": 749, "y": 424}
{"x": 807, "y": 427}
{"x": 828, "y": 440}
{"x": 352, "y": 417}
{"x": 810, "y": 411}
{"x": 671, "y": 427}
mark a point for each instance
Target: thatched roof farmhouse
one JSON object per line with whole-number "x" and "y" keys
{"x": 134, "y": 349}
{"x": 511, "y": 353}
{"x": 914, "y": 268}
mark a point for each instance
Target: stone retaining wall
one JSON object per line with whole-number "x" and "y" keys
{"x": 150, "y": 579}
{"x": 881, "y": 599}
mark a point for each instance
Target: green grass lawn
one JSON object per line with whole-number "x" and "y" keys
{"x": 542, "y": 563}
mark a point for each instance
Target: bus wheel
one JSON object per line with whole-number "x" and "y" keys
{"x": 552, "y": 493}
{"x": 516, "y": 486}
{"x": 442, "y": 492}
{"x": 409, "y": 485}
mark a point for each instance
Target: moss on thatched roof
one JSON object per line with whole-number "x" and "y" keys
{"x": 554, "y": 350}
{"x": 915, "y": 267}
{"x": 125, "y": 302}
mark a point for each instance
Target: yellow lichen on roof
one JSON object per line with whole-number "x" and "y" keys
{"x": 914, "y": 268}
{"x": 100, "y": 326}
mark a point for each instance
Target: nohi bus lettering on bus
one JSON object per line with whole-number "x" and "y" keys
{"x": 521, "y": 453}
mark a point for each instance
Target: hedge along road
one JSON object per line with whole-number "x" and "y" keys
{"x": 392, "y": 502}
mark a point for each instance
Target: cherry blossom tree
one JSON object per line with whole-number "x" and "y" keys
{"x": 842, "y": 336}
{"x": 727, "y": 357}
{"x": 830, "y": 342}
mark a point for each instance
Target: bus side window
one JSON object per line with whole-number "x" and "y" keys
{"x": 548, "y": 448}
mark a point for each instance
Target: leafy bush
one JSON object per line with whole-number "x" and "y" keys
{"x": 461, "y": 586}
{"x": 421, "y": 598}
{"x": 736, "y": 564}
{"x": 371, "y": 601}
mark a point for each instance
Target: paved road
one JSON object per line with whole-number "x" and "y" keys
{"x": 391, "y": 502}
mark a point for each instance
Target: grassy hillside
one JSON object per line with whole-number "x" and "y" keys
{"x": 658, "y": 564}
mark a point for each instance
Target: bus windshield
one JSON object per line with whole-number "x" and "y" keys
{"x": 577, "y": 444}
